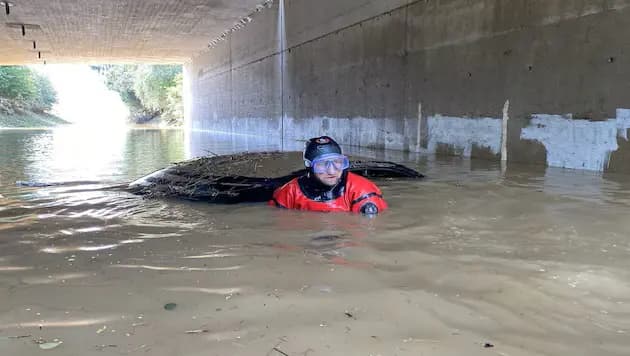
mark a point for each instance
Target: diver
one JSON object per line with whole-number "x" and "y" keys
{"x": 328, "y": 186}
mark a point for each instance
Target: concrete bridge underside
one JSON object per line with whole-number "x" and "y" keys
{"x": 537, "y": 81}
{"x": 110, "y": 31}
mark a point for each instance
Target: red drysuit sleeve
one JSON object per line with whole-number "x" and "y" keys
{"x": 363, "y": 191}
{"x": 284, "y": 197}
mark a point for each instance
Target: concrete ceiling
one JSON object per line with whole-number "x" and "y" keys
{"x": 114, "y": 31}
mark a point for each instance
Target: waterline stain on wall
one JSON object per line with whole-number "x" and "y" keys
{"x": 569, "y": 143}
{"x": 578, "y": 144}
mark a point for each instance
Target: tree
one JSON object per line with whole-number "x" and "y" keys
{"x": 175, "y": 103}
{"x": 27, "y": 88}
{"x": 46, "y": 94}
{"x": 148, "y": 90}
{"x": 120, "y": 78}
{"x": 152, "y": 83}
{"x": 17, "y": 82}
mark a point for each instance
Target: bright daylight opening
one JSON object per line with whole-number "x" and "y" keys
{"x": 105, "y": 96}
{"x": 83, "y": 97}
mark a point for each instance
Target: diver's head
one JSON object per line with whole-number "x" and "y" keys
{"x": 323, "y": 157}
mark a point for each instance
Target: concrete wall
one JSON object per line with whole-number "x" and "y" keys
{"x": 537, "y": 81}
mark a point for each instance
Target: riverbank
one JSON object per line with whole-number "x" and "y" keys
{"x": 13, "y": 115}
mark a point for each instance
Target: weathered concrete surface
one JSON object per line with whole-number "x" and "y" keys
{"x": 427, "y": 76}
{"x": 435, "y": 76}
{"x": 114, "y": 30}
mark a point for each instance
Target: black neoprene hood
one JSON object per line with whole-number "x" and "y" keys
{"x": 319, "y": 146}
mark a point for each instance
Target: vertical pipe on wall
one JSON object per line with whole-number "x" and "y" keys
{"x": 232, "y": 117}
{"x": 282, "y": 47}
{"x": 419, "y": 133}
{"x": 504, "y": 131}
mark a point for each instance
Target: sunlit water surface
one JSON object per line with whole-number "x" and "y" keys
{"x": 474, "y": 260}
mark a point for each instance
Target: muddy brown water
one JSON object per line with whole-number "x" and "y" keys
{"x": 530, "y": 261}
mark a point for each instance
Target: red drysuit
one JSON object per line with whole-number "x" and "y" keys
{"x": 351, "y": 194}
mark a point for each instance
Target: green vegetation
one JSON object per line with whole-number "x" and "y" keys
{"x": 25, "y": 98}
{"x": 150, "y": 91}
{"x": 29, "y": 119}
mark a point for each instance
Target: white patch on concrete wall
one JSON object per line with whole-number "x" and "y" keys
{"x": 623, "y": 123}
{"x": 578, "y": 144}
{"x": 356, "y": 131}
{"x": 464, "y": 133}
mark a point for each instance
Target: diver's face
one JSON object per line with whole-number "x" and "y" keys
{"x": 329, "y": 168}
{"x": 330, "y": 177}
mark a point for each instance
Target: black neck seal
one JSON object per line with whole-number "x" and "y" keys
{"x": 315, "y": 190}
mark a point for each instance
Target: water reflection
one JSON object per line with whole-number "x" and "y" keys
{"x": 66, "y": 249}
{"x": 75, "y": 154}
{"x": 59, "y": 323}
{"x": 215, "y": 291}
{"x": 180, "y": 268}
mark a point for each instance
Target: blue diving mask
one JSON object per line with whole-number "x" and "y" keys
{"x": 325, "y": 163}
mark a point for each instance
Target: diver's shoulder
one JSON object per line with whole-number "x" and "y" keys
{"x": 358, "y": 180}
{"x": 290, "y": 185}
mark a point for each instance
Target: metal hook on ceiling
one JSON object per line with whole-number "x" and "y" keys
{"x": 7, "y": 6}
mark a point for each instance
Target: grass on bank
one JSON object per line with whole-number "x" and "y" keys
{"x": 30, "y": 119}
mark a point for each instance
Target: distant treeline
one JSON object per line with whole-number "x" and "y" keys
{"x": 25, "y": 89}
{"x": 150, "y": 91}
